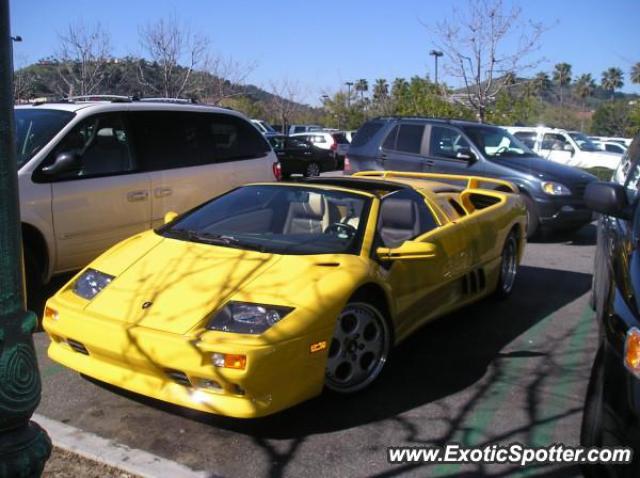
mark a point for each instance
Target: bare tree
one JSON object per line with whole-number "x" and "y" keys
{"x": 474, "y": 42}
{"x": 284, "y": 102}
{"x": 177, "y": 52}
{"x": 82, "y": 59}
{"x": 227, "y": 78}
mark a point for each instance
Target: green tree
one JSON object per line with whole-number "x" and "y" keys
{"x": 541, "y": 84}
{"x": 635, "y": 74}
{"x": 612, "y": 80}
{"x": 612, "y": 118}
{"x": 562, "y": 76}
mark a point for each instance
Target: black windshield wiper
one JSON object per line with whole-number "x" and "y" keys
{"x": 215, "y": 239}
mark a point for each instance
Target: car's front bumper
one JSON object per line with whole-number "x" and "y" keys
{"x": 560, "y": 213}
{"x": 139, "y": 359}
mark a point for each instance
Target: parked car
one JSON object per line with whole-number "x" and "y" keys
{"x": 303, "y": 128}
{"x": 571, "y": 148}
{"x": 299, "y": 156}
{"x": 94, "y": 172}
{"x": 610, "y": 146}
{"x": 334, "y": 141}
{"x": 614, "y": 139}
{"x": 552, "y": 192}
{"x": 612, "y": 406}
{"x": 264, "y": 127}
{"x": 259, "y": 298}
{"x": 350, "y": 134}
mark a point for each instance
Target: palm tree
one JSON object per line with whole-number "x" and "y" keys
{"x": 541, "y": 83}
{"x": 584, "y": 88}
{"x": 562, "y": 76}
{"x": 612, "y": 80}
{"x": 380, "y": 89}
{"x": 361, "y": 86}
{"x": 399, "y": 86}
{"x": 635, "y": 74}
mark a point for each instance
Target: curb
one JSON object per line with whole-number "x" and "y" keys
{"x": 116, "y": 455}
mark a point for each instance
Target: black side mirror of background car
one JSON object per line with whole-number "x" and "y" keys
{"x": 466, "y": 154}
{"x": 608, "y": 198}
{"x": 65, "y": 162}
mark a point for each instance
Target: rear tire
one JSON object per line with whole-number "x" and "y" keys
{"x": 311, "y": 170}
{"x": 508, "y": 267}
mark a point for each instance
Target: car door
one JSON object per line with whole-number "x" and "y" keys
{"x": 193, "y": 156}
{"x": 105, "y": 199}
{"x": 404, "y": 149}
{"x": 421, "y": 288}
{"x": 448, "y": 149}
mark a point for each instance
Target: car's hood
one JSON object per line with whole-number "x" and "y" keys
{"x": 177, "y": 284}
{"x": 546, "y": 169}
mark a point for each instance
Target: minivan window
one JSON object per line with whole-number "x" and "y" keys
{"x": 496, "y": 142}
{"x": 102, "y": 145}
{"x": 410, "y": 138}
{"x": 35, "y": 128}
{"x": 390, "y": 140}
{"x": 175, "y": 139}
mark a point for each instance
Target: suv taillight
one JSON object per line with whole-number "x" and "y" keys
{"x": 334, "y": 145}
{"x": 347, "y": 164}
{"x": 277, "y": 171}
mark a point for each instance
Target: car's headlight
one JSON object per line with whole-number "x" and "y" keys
{"x": 245, "y": 318}
{"x": 555, "y": 189}
{"x": 90, "y": 283}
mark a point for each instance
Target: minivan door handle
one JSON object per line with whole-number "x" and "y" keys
{"x": 383, "y": 155}
{"x": 135, "y": 196}
{"x": 162, "y": 192}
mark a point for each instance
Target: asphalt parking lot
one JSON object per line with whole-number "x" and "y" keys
{"x": 493, "y": 373}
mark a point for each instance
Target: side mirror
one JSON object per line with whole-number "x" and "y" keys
{"x": 607, "y": 198}
{"x": 466, "y": 154}
{"x": 407, "y": 251}
{"x": 65, "y": 162}
{"x": 170, "y": 216}
{"x": 569, "y": 148}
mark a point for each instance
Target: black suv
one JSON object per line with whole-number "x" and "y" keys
{"x": 612, "y": 407}
{"x": 552, "y": 192}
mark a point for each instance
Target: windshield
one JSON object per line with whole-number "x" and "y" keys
{"x": 35, "y": 128}
{"x": 267, "y": 127}
{"x": 278, "y": 219}
{"x": 584, "y": 143}
{"x": 496, "y": 142}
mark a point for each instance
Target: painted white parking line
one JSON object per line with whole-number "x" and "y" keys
{"x": 93, "y": 447}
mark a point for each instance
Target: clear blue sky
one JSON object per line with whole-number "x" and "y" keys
{"x": 322, "y": 44}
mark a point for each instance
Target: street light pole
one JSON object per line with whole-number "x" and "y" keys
{"x": 349, "y": 85}
{"x": 24, "y": 446}
{"x": 436, "y": 54}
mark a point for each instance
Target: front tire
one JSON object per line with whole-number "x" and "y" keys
{"x": 533, "y": 219}
{"x": 359, "y": 348}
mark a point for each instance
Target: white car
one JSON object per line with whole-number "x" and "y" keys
{"x": 610, "y": 146}
{"x": 566, "y": 147}
{"x": 335, "y": 141}
{"x": 264, "y": 127}
{"x": 92, "y": 173}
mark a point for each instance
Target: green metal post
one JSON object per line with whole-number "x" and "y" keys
{"x": 24, "y": 446}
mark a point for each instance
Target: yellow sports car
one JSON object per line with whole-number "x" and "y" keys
{"x": 256, "y": 300}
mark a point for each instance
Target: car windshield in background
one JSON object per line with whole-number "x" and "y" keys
{"x": 584, "y": 143}
{"x": 497, "y": 143}
{"x": 35, "y": 128}
{"x": 278, "y": 219}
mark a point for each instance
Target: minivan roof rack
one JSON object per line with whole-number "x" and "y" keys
{"x": 168, "y": 100}
{"x": 112, "y": 98}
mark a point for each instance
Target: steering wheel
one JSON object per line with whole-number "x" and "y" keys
{"x": 341, "y": 230}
